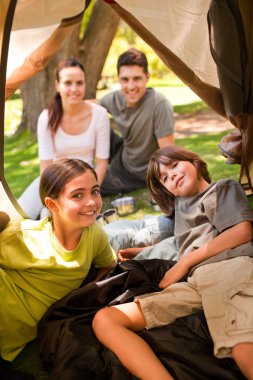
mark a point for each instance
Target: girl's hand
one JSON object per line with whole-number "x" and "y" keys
{"x": 178, "y": 271}
{"x": 128, "y": 253}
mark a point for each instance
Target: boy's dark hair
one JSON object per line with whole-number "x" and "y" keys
{"x": 166, "y": 156}
{"x": 60, "y": 172}
{"x": 55, "y": 110}
{"x": 133, "y": 57}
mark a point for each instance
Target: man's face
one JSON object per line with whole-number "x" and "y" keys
{"x": 133, "y": 83}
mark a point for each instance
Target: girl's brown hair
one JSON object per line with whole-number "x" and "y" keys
{"x": 56, "y": 175}
{"x": 55, "y": 110}
{"x": 166, "y": 156}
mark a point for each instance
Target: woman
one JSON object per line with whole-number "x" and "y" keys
{"x": 70, "y": 128}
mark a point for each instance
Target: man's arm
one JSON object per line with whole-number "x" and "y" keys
{"x": 232, "y": 237}
{"x": 165, "y": 141}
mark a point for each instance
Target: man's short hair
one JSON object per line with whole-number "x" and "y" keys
{"x": 133, "y": 57}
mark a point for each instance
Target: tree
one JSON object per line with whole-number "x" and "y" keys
{"x": 91, "y": 49}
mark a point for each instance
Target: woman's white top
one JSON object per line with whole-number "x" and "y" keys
{"x": 93, "y": 143}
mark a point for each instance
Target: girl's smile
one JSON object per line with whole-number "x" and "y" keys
{"x": 80, "y": 201}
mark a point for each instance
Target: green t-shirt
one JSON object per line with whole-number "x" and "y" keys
{"x": 36, "y": 271}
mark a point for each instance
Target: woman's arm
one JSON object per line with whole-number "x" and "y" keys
{"x": 101, "y": 168}
{"x": 45, "y": 141}
{"x": 44, "y": 164}
{"x": 232, "y": 237}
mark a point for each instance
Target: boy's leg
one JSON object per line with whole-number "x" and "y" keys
{"x": 121, "y": 232}
{"x": 114, "y": 327}
{"x": 154, "y": 230}
{"x": 243, "y": 355}
{"x": 140, "y": 233}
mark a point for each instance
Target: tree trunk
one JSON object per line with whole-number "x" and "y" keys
{"x": 95, "y": 45}
{"x": 91, "y": 50}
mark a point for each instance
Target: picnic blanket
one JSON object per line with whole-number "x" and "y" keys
{"x": 70, "y": 350}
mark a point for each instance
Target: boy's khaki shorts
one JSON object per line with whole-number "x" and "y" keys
{"x": 224, "y": 290}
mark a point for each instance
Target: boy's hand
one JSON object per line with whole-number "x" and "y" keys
{"x": 128, "y": 253}
{"x": 176, "y": 273}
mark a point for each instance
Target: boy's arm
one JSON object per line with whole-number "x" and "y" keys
{"x": 232, "y": 237}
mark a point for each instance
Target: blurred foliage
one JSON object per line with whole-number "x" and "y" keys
{"x": 126, "y": 38}
{"x": 86, "y": 18}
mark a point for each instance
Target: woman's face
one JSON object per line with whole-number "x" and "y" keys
{"x": 181, "y": 179}
{"x": 71, "y": 85}
{"x": 79, "y": 203}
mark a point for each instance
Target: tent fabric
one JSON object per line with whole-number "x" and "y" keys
{"x": 197, "y": 73}
{"x": 177, "y": 25}
{"x": 7, "y": 200}
{"x": 39, "y": 29}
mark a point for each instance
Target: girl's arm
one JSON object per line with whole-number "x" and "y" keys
{"x": 232, "y": 237}
{"x": 103, "y": 271}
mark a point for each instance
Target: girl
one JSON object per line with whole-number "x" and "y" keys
{"x": 70, "y": 128}
{"x": 215, "y": 258}
{"x": 42, "y": 261}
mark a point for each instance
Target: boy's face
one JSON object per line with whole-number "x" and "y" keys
{"x": 181, "y": 179}
{"x": 133, "y": 83}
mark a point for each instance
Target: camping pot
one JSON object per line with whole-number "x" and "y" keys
{"x": 125, "y": 205}
{"x": 110, "y": 215}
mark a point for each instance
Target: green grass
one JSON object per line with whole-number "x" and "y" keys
{"x": 22, "y": 164}
{"x": 188, "y": 108}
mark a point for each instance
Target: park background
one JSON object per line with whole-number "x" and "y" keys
{"x": 22, "y": 109}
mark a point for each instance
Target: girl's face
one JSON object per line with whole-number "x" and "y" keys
{"x": 181, "y": 179}
{"x": 79, "y": 203}
{"x": 71, "y": 85}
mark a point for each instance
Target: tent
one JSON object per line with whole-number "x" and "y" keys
{"x": 208, "y": 44}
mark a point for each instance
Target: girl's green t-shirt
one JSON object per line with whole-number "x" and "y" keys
{"x": 36, "y": 271}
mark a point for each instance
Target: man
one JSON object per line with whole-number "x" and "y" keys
{"x": 144, "y": 119}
